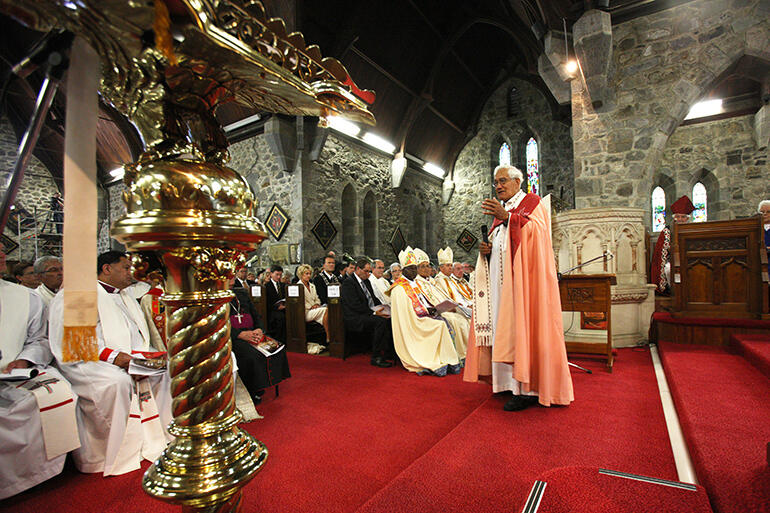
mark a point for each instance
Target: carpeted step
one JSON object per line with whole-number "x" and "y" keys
{"x": 595, "y": 490}
{"x": 755, "y": 348}
{"x": 723, "y": 408}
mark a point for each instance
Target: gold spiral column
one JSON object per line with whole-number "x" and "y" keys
{"x": 198, "y": 218}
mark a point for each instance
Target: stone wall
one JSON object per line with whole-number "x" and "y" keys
{"x": 477, "y": 160}
{"x": 723, "y": 156}
{"x": 661, "y": 65}
{"x": 35, "y": 192}
{"x": 414, "y": 207}
{"x": 111, "y": 208}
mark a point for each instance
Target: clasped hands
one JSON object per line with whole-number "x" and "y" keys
{"x": 251, "y": 336}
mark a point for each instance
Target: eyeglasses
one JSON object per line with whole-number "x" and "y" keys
{"x": 501, "y": 181}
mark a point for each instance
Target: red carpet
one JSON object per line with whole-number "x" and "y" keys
{"x": 755, "y": 349}
{"x": 723, "y": 407}
{"x": 489, "y": 462}
{"x": 585, "y": 489}
{"x": 346, "y": 434}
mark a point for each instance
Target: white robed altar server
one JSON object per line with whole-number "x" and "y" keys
{"x": 122, "y": 417}
{"x": 459, "y": 323}
{"x": 37, "y": 415}
{"x": 422, "y": 339}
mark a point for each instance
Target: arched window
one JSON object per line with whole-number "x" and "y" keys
{"x": 505, "y": 154}
{"x": 370, "y": 224}
{"x": 533, "y": 173}
{"x": 658, "y": 209}
{"x": 699, "y": 201}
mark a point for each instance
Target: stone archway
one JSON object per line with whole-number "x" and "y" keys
{"x": 350, "y": 221}
{"x": 371, "y": 225}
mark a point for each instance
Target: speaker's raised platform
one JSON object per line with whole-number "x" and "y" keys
{"x": 703, "y": 330}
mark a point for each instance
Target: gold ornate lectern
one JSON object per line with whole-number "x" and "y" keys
{"x": 167, "y": 65}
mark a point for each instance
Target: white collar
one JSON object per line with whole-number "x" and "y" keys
{"x": 326, "y": 274}
{"x": 514, "y": 201}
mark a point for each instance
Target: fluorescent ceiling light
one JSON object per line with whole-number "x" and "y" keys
{"x": 571, "y": 66}
{"x": 378, "y": 142}
{"x": 343, "y": 125}
{"x": 433, "y": 169}
{"x": 706, "y": 108}
{"x": 118, "y": 173}
{"x": 245, "y": 121}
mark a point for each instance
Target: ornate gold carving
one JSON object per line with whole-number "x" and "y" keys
{"x": 211, "y": 264}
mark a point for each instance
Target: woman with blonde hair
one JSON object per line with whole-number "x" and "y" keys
{"x": 314, "y": 311}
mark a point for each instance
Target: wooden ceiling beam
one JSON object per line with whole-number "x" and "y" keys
{"x": 462, "y": 62}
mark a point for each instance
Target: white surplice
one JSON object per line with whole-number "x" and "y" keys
{"x": 45, "y": 294}
{"x": 121, "y": 419}
{"x": 380, "y": 285}
{"x": 502, "y": 373}
{"x": 25, "y": 461}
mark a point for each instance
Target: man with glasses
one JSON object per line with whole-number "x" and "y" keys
{"x": 25, "y": 274}
{"x": 51, "y": 273}
{"x": 364, "y": 313}
{"x": 517, "y": 339}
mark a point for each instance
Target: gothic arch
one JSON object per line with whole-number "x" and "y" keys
{"x": 710, "y": 181}
{"x": 350, "y": 220}
{"x": 371, "y": 224}
{"x": 669, "y": 187}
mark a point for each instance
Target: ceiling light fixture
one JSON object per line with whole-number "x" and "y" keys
{"x": 379, "y": 143}
{"x": 343, "y": 125}
{"x": 433, "y": 169}
{"x": 571, "y": 66}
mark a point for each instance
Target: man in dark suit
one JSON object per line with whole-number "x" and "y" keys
{"x": 325, "y": 278}
{"x": 240, "y": 279}
{"x": 276, "y": 304}
{"x": 360, "y": 314}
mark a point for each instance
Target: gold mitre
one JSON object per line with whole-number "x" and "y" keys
{"x": 445, "y": 256}
{"x": 421, "y": 255}
{"x": 407, "y": 257}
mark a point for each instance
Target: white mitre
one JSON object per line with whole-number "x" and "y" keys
{"x": 407, "y": 257}
{"x": 421, "y": 255}
{"x": 445, "y": 256}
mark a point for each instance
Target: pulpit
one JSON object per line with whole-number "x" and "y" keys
{"x": 589, "y": 293}
{"x": 717, "y": 269}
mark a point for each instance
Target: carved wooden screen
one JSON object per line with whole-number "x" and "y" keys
{"x": 716, "y": 269}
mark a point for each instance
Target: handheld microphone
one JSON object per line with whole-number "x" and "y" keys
{"x": 485, "y": 236}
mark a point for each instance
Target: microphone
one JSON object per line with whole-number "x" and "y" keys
{"x": 49, "y": 50}
{"x": 485, "y": 236}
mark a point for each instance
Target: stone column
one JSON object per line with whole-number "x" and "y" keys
{"x": 592, "y": 35}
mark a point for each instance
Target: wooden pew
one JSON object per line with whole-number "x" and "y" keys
{"x": 296, "y": 338}
{"x": 259, "y": 299}
{"x": 336, "y": 324}
{"x": 718, "y": 269}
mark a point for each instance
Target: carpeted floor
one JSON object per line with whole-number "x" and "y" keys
{"x": 346, "y": 436}
{"x": 723, "y": 404}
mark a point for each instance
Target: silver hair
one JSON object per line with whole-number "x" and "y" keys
{"x": 394, "y": 265}
{"x": 762, "y": 204}
{"x": 513, "y": 172}
{"x": 41, "y": 262}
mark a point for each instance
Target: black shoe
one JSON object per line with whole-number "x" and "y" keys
{"x": 379, "y": 361}
{"x": 520, "y": 402}
{"x": 256, "y": 399}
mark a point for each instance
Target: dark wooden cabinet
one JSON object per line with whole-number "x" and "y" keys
{"x": 717, "y": 269}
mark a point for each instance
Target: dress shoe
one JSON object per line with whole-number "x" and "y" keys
{"x": 520, "y": 402}
{"x": 379, "y": 361}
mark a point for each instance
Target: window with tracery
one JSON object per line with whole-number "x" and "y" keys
{"x": 699, "y": 201}
{"x": 658, "y": 209}
{"x": 533, "y": 169}
{"x": 504, "y": 157}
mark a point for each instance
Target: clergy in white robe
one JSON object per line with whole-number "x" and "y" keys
{"x": 380, "y": 284}
{"x": 51, "y": 273}
{"x": 459, "y": 323}
{"x": 448, "y": 283}
{"x": 122, "y": 417}
{"x": 423, "y": 340}
{"x": 37, "y": 415}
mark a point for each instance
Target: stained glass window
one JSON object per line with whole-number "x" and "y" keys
{"x": 505, "y": 154}
{"x": 699, "y": 201}
{"x": 658, "y": 209}
{"x": 533, "y": 175}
